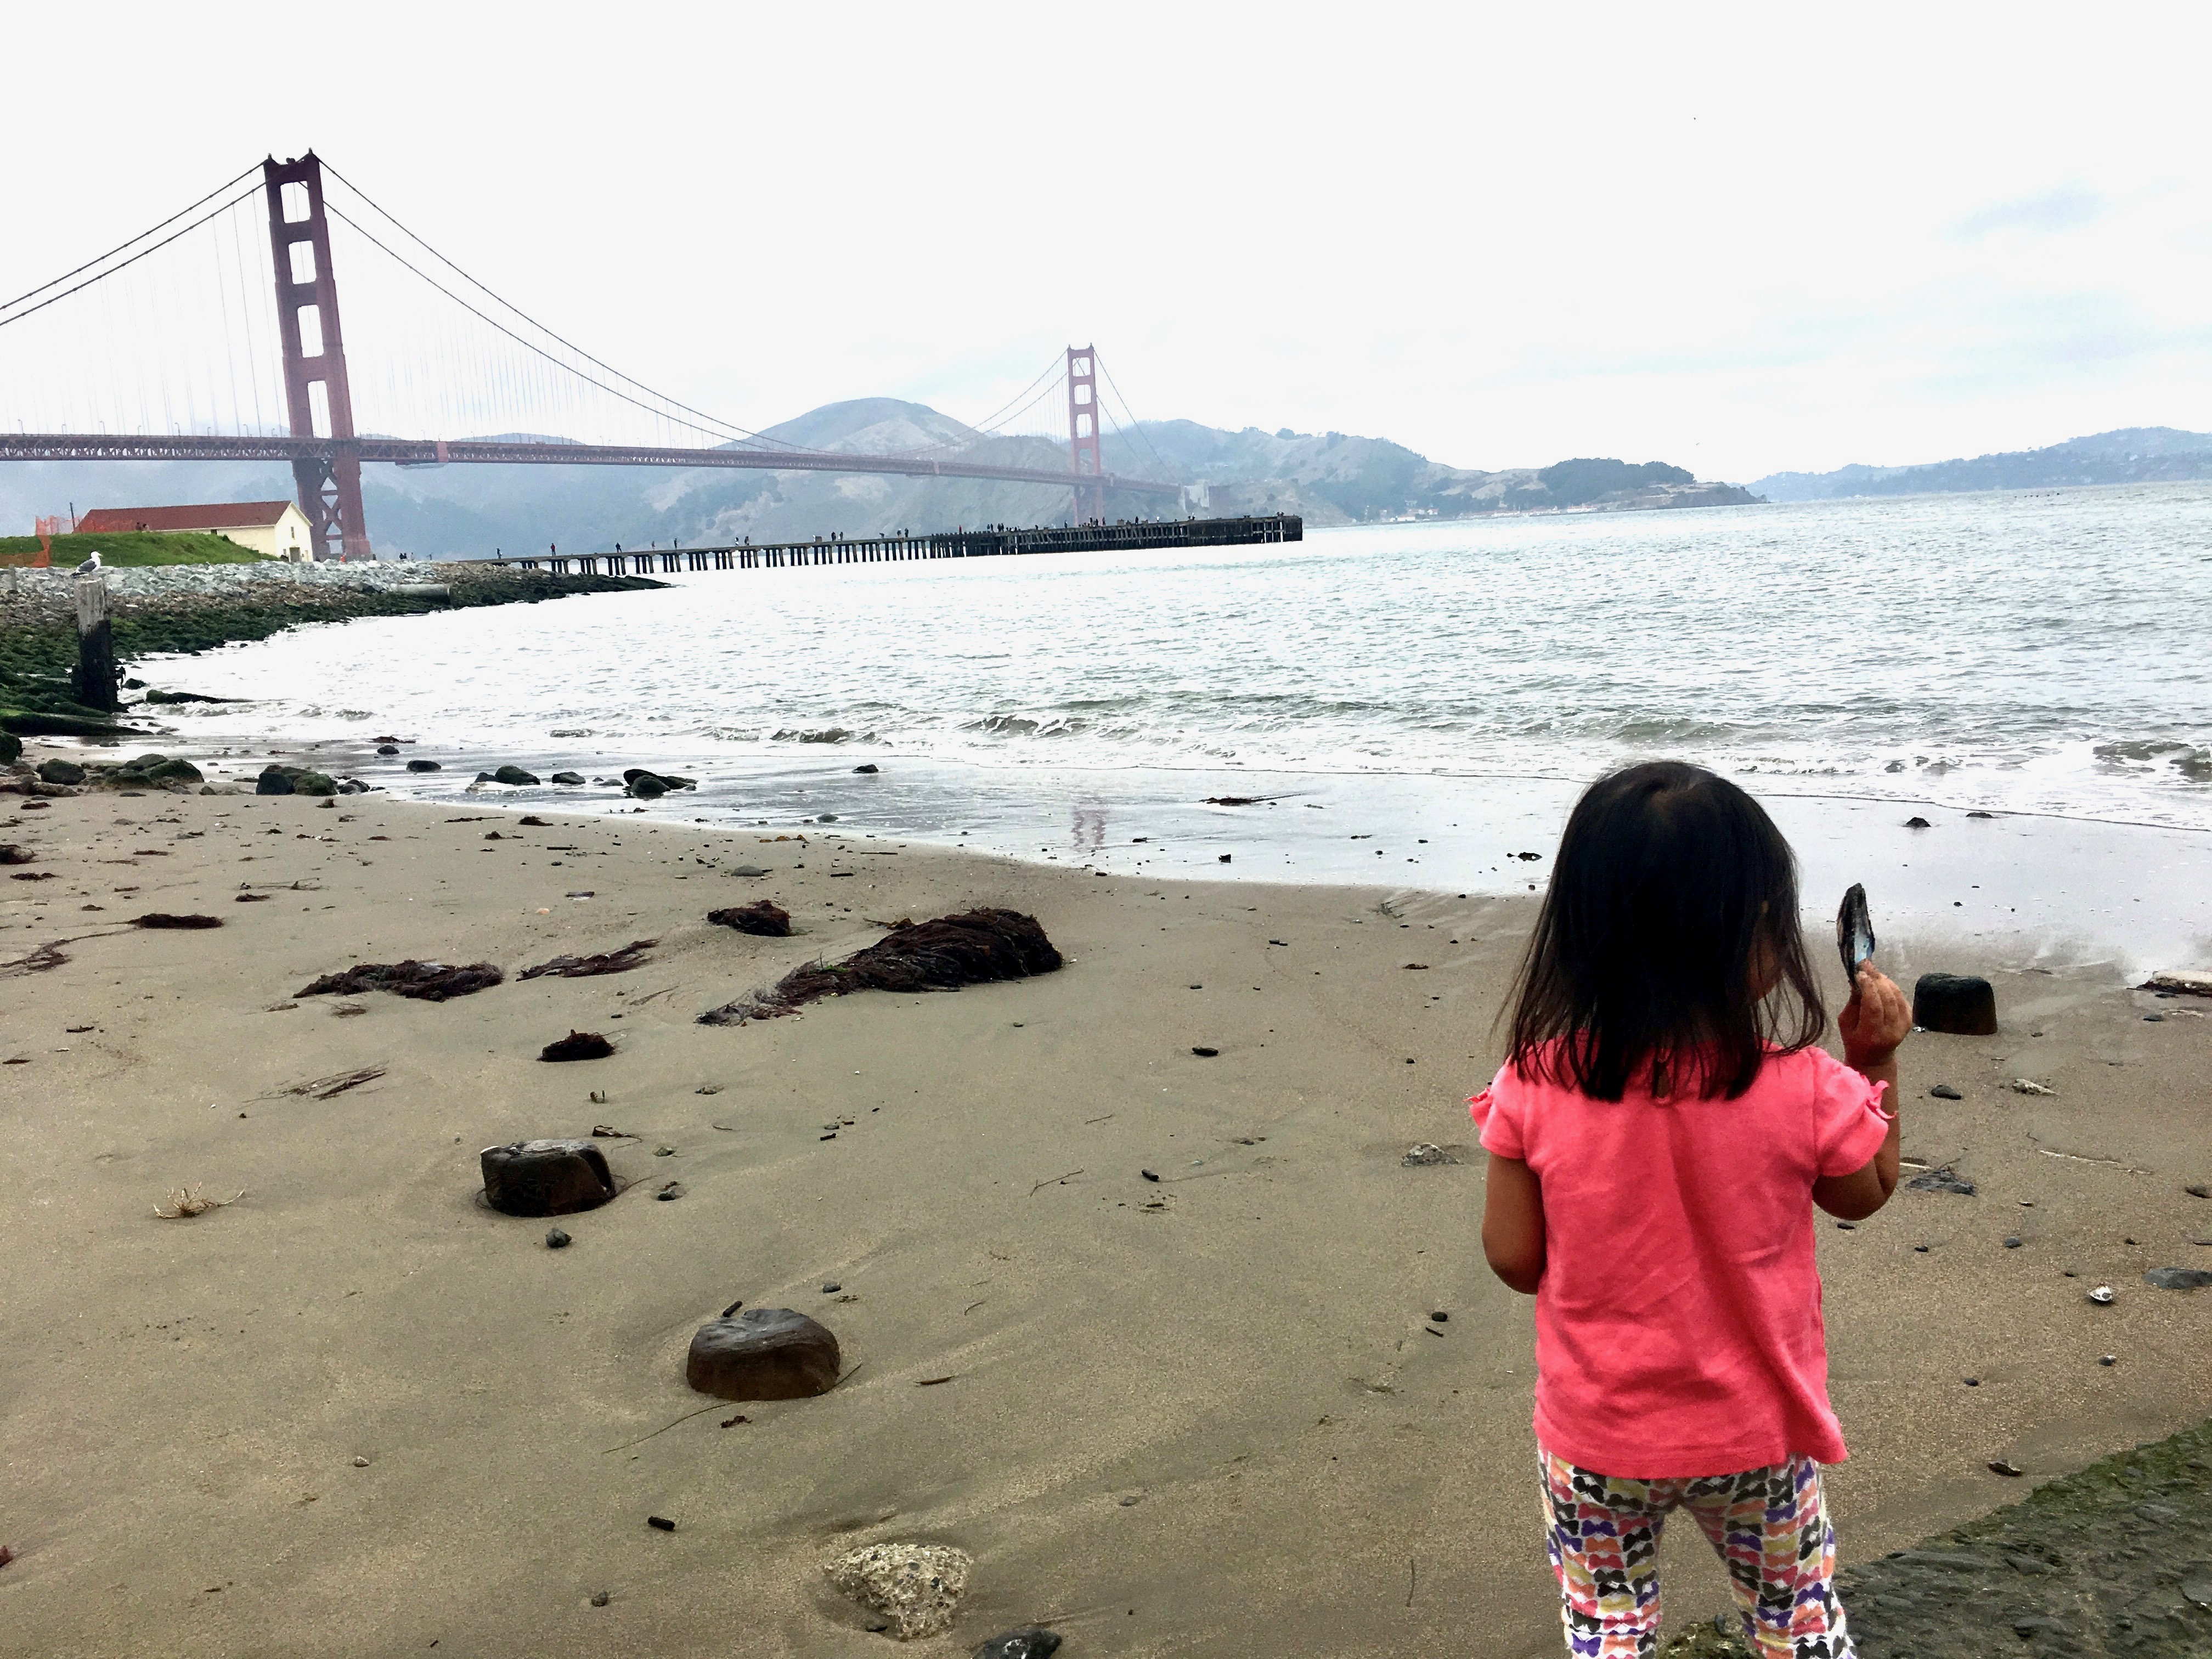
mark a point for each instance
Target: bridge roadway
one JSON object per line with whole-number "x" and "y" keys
{"x": 1135, "y": 535}
{"x": 426, "y": 451}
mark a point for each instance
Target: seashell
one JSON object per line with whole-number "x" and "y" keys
{"x": 1854, "y": 933}
{"x": 2102, "y": 1296}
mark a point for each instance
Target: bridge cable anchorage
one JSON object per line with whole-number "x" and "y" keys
{"x": 732, "y": 428}
{"x": 11, "y": 304}
{"x": 33, "y": 311}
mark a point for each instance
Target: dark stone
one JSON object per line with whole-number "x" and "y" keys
{"x": 57, "y": 771}
{"x": 11, "y": 854}
{"x": 314, "y": 783}
{"x": 1945, "y": 1180}
{"x": 577, "y": 1045}
{"x": 1957, "y": 1003}
{"x": 1030, "y": 1642}
{"x": 1148, "y": 1175}
{"x": 546, "y": 1177}
{"x": 2178, "y": 1279}
{"x": 557, "y": 1240}
{"x": 831, "y": 1288}
{"x": 154, "y": 769}
{"x": 865, "y": 766}
{"x": 424, "y": 766}
{"x": 1440, "y": 1317}
{"x": 763, "y": 917}
{"x": 747, "y": 870}
{"x": 11, "y": 749}
{"x": 1918, "y": 822}
{"x": 826, "y": 817}
{"x": 515, "y": 775}
{"x": 660, "y": 1523}
{"x": 430, "y": 981}
{"x": 2013, "y": 1243}
{"x": 1944, "y": 1092}
{"x": 1224, "y": 857}
{"x": 163, "y": 919}
{"x": 601, "y": 1598}
{"x": 1206, "y": 1054}
{"x": 567, "y": 777}
{"x": 651, "y": 786}
{"x": 252, "y": 898}
{"x": 387, "y": 748}
{"x": 763, "y": 1353}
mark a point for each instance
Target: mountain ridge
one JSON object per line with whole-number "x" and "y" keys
{"x": 2127, "y": 454}
{"x": 473, "y": 511}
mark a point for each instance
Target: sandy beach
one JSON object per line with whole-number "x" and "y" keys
{"x": 356, "y": 1412}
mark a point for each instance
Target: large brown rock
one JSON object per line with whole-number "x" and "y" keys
{"x": 546, "y": 1177}
{"x": 763, "y": 1353}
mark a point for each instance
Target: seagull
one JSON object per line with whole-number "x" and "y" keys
{"x": 90, "y": 565}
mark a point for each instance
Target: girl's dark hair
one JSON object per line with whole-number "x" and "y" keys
{"x": 1668, "y": 950}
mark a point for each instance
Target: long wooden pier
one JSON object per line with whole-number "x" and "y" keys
{"x": 1136, "y": 535}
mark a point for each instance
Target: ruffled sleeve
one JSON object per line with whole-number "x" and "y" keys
{"x": 1498, "y": 1116}
{"x": 1850, "y": 1114}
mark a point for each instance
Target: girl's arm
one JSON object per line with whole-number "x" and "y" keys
{"x": 1513, "y": 1223}
{"x": 1876, "y": 1019}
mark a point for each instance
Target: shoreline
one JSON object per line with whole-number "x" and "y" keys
{"x": 2025, "y": 888}
{"x": 1101, "y": 1446}
{"x": 161, "y": 610}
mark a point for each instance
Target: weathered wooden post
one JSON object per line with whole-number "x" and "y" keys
{"x": 95, "y": 685}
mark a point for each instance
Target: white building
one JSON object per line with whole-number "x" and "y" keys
{"x": 275, "y": 530}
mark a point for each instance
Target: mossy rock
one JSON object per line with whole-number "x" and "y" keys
{"x": 11, "y": 749}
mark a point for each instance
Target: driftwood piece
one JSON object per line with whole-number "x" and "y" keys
{"x": 975, "y": 948}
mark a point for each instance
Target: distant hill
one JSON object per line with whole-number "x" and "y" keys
{"x": 1330, "y": 479}
{"x": 1335, "y": 478}
{"x": 2133, "y": 454}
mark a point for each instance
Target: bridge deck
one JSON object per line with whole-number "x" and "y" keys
{"x": 1136, "y": 535}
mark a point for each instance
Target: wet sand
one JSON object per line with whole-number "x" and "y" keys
{"x": 1207, "y": 1415}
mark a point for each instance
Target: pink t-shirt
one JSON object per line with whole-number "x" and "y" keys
{"x": 1677, "y": 1322}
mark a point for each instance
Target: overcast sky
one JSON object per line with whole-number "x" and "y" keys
{"x": 1741, "y": 239}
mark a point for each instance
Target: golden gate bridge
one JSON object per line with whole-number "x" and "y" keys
{"x": 120, "y": 335}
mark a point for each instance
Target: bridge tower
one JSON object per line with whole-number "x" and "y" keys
{"x": 1083, "y": 456}
{"x": 316, "y": 392}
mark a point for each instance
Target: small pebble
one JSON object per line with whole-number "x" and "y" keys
{"x": 2013, "y": 1243}
{"x": 1921, "y": 1248}
{"x": 1206, "y": 1054}
{"x": 1148, "y": 1175}
{"x": 1440, "y": 1318}
{"x": 1999, "y": 1466}
{"x": 660, "y": 1523}
{"x": 673, "y": 1190}
{"x": 361, "y": 1463}
{"x": 663, "y": 1151}
{"x": 556, "y": 1239}
{"x": 1973, "y": 1382}
{"x": 2108, "y": 1359}
{"x": 1945, "y": 1091}
{"x": 831, "y": 1288}
{"x": 1847, "y": 1226}
{"x": 601, "y": 1598}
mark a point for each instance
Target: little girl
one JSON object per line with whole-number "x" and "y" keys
{"x": 1658, "y": 1136}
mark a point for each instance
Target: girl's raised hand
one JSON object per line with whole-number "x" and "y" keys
{"x": 1876, "y": 1020}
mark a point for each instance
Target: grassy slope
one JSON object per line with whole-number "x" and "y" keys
{"x": 135, "y": 547}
